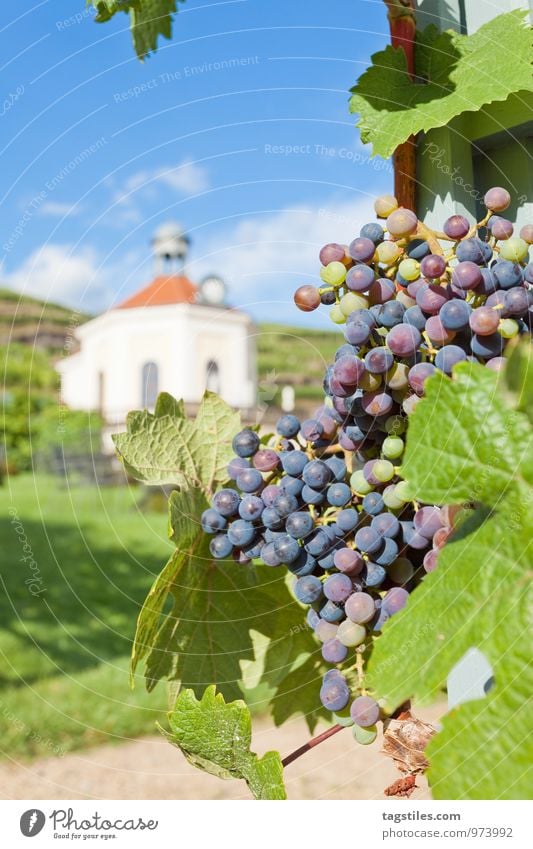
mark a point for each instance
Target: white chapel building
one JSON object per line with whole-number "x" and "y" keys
{"x": 171, "y": 336}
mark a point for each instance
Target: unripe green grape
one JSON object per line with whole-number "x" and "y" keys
{"x": 508, "y": 328}
{"x": 515, "y": 249}
{"x": 384, "y": 205}
{"x": 383, "y": 470}
{"x": 351, "y": 301}
{"x": 396, "y": 425}
{"x": 393, "y": 447}
{"x": 336, "y": 314}
{"x": 369, "y": 382}
{"x": 364, "y": 736}
{"x": 403, "y": 492}
{"x": 333, "y": 273}
{"x": 388, "y": 252}
{"x": 401, "y": 570}
{"x": 358, "y": 483}
{"x": 343, "y": 718}
{"x": 397, "y": 376}
{"x": 409, "y": 269}
{"x": 390, "y": 499}
{"x": 351, "y": 634}
{"x": 405, "y": 299}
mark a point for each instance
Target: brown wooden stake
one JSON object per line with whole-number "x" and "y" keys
{"x": 401, "y": 14}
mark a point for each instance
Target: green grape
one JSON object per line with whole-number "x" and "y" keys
{"x": 336, "y": 314}
{"x": 402, "y": 491}
{"x": 350, "y": 633}
{"x": 383, "y": 470}
{"x": 395, "y": 425}
{"x": 333, "y": 273}
{"x": 515, "y": 249}
{"x": 359, "y": 484}
{"x": 388, "y": 252}
{"x": 365, "y": 736}
{"x": 401, "y": 570}
{"x": 351, "y": 301}
{"x": 369, "y": 382}
{"x": 343, "y": 718}
{"x": 384, "y": 205}
{"x": 409, "y": 269}
{"x": 393, "y": 447}
{"x": 398, "y": 376}
{"x": 390, "y": 499}
{"x": 508, "y": 328}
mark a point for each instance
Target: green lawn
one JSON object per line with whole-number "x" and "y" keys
{"x": 91, "y": 555}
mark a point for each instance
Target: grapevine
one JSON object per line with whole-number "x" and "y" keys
{"x": 325, "y": 497}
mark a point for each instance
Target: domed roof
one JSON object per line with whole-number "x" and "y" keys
{"x": 169, "y": 230}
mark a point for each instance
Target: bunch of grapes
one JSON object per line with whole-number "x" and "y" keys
{"x": 324, "y": 497}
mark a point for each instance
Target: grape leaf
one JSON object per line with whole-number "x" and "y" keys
{"x": 299, "y": 692}
{"x": 480, "y": 594}
{"x": 459, "y": 73}
{"x": 483, "y": 441}
{"x": 166, "y": 447}
{"x": 148, "y": 20}
{"x": 216, "y": 737}
{"x": 519, "y": 379}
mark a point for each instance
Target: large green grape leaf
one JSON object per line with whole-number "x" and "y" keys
{"x": 148, "y": 20}
{"x": 166, "y": 447}
{"x": 204, "y": 635}
{"x": 465, "y": 443}
{"x": 299, "y": 691}
{"x": 479, "y": 596}
{"x": 460, "y": 73}
{"x": 216, "y": 737}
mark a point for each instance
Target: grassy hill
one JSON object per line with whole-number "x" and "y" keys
{"x": 29, "y": 320}
{"x": 287, "y": 355}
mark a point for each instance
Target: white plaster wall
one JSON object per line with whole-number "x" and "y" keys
{"x": 179, "y": 338}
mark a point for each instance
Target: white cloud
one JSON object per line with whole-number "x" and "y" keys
{"x": 76, "y": 277}
{"x": 265, "y": 258}
{"x": 187, "y": 178}
{"x": 57, "y": 208}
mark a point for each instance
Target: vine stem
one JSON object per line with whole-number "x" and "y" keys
{"x": 311, "y": 744}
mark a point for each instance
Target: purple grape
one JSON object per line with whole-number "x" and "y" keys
{"x": 357, "y": 332}
{"x": 454, "y": 314}
{"x": 311, "y": 430}
{"x": 427, "y": 521}
{"x": 497, "y": 199}
{"x": 226, "y": 502}
{"x": 359, "y": 608}
{"x": 348, "y": 370}
{"x": 386, "y": 524}
{"x": 486, "y": 347}
{"x": 251, "y": 508}
{"x": 360, "y": 277}
{"x": 466, "y": 275}
{"x": 499, "y": 227}
{"x": 220, "y": 547}
{"x": 212, "y": 521}
{"x": 456, "y": 227}
{"x": 381, "y": 290}
{"x": 431, "y": 297}
{"x": 249, "y": 480}
{"x": 246, "y": 443}
{"x": 348, "y": 561}
{"x": 437, "y": 332}
{"x": 379, "y": 360}
{"x": 415, "y": 317}
{"x": 266, "y": 460}
{"x": 308, "y": 589}
{"x": 470, "y": 250}
{"x": 334, "y": 651}
{"x": 377, "y": 403}
{"x": 332, "y": 253}
{"x": 269, "y": 494}
{"x": 433, "y": 266}
{"x": 362, "y": 249}
{"x": 368, "y": 540}
{"x": 334, "y": 693}
{"x": 403, "y": 340}
{"x": 236, "y": 465}
{"x": 395, "y": 599}
{"x": 507, "y": 273}
{"x": 484, "y": 321}
{"x": 364, "y": 711}
{"x": 337, "y": 587}
{"x": 418, "y": 375}
{"x": 449, "y": 356}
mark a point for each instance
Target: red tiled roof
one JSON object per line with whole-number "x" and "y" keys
{"x": 163, "y": 290}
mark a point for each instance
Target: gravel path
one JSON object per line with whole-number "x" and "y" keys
{"x": 149, "y": 768}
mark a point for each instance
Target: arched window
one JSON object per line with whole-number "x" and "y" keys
{"x": 212, "y": 377}
{"x": 150, "y": 382}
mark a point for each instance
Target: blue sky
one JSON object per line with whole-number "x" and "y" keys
{"x": 238, "y": 128}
